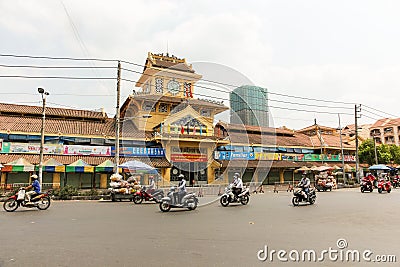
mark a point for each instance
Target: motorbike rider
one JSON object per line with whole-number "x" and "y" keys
{"x": 152, "y": 186}
{"x": 305, "y": 185}
{"x": 237, "y": 185}
{"x": 181, "y": 188}
{"x": 35, "y": 186}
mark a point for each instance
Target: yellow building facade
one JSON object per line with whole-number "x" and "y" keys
{"x": 164, "y": 107}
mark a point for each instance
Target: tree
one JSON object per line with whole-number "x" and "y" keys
{"x": 395, "y": 153}
{"x": 366, "y": 152}
{"x": 385, "y": 153}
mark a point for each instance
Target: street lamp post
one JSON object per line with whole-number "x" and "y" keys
{"x": 44, "y": 94}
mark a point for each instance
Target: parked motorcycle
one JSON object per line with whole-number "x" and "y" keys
{"x": 366, "y": 185}
{"x": 229, "y": 197}
{"x": 188, "y": 201}
{"x": 384, "y": 185}
{"x": 141, "y": 195}
{"x": 40, "y": 201}
{"x": 299, "y": 197}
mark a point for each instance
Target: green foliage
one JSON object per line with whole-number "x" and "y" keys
{"x": 366, "y": 152}
{"x": 92, "y": 192}
{"x": 395, "y": 152}
{"x": 65, "y": 192}
{"x": 385, "y": 153}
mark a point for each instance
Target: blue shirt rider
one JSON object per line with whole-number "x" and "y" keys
{"x": 35, "y": 186}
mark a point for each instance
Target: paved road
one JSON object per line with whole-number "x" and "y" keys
{"x": 87, "y": 233}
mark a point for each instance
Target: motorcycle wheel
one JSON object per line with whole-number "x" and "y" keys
{"x": 362, "y": 189}
{"x": 379, "y": 190}
{"x": 295, "y": 201}
{"x": 44, "y": 203}
{"x": 194, "y": 207}
{"x": 244, "y": 199}
{"x": 224, "y": 201}
{"x": 389, "y": 190}
{"x": 312, "y": 200}
{"x": 10, "y": 205}
{"x": 159, "y": 197}
{"x": 371, "y": 189}
{"x": 165, "y": 207}
{"x": 137, "y": 199}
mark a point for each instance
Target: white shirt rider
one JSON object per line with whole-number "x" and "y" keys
{"x": 152, "y": 184}
{"x": 238, "y": 183}
{"x": 182, "y": 185}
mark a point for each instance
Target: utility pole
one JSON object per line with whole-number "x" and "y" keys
{"x": 376, "y": 155}
{"x": 44, "y": 94}
{"x": 341, "y": 148}
{"x": 117, "y": 118}
{"x": 357, "y": 109}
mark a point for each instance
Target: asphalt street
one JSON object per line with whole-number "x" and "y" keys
{"x": 95, "y": 233}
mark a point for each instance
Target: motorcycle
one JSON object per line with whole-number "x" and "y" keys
{"x": 189, "y": 201}
{"x": 141, "y": 195}
{"x": 40, "y": 201}
{"x": 323, "y": 185}
{"x": 299, "y": 196}
{"x": 384, "y": 185}
{"x": 366, "y": 185}
{"x": 396, "y": 182}
{"x": 229, "y": 197}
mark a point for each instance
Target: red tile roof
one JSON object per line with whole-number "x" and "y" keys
{"x": 50, "y": 112}
{"x": 73, "y": 123}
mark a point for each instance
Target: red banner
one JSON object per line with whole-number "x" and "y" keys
{"x": 189, "y": 157}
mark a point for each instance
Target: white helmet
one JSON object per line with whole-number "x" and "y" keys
{"x": 34, "y": 176}
{"x": 181, "y": 176}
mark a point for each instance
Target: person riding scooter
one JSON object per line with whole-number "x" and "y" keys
{"x": 152, "y": 186}
{"x": 305, "y": 185}
{"x": 237, "y": 185}
{"x": 181, "y": 188}
{"x": 35, "y": 186}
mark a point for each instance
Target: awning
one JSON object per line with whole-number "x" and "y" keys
{"x": 19, "y": 165}
{"x": 106, "y": 166}
{"x": 52, "y": 165}
{"x": 379, "y": 167}
{"x": 79, "y": 166}
{"x": 137, "y": 166}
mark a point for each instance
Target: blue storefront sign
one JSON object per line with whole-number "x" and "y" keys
{"x": 229, "y": 155}
{"x": 140, "y": 151}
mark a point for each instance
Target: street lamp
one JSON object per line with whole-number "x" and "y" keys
{"x": 44, "y": 94}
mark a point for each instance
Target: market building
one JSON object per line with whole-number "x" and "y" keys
{"x": 269, "y": 155}
{"x": 175, "y": 120}
{"x": 78, "y": 149}
{"x": 165, "y": 126}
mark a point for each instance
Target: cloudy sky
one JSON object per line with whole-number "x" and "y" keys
{"x": 341, "y": 51}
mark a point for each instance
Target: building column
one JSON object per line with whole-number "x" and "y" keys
{"x": 166, "y": 176}
{"x": 281, "y": 176}
{"x": 56, "y": 180}
{"x": 103, "y": 181}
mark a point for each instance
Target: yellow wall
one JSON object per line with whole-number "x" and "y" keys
{"x": 56, "y": 179}
{"x": 103, "y": 181}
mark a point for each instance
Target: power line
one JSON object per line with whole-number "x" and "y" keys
{"x": 368, "y": 107}
{"x": 56, "y": 67}
{"x": 59, "y": 58}
{"x": 57, "y": 77}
